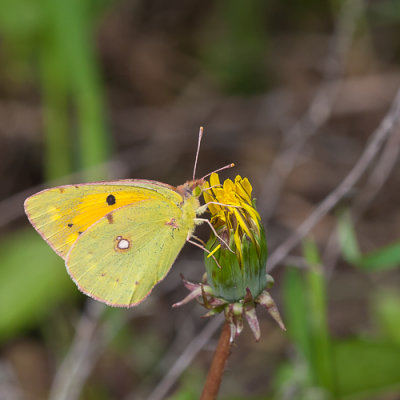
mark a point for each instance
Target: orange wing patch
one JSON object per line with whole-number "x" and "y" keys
{"x": 61, "y": 214}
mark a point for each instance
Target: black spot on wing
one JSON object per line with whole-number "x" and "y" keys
{"x": 110, "y": 199}
{"x": 70, "y": 225}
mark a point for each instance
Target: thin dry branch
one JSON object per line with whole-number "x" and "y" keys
{"x": 373, "y": 186}
{"x": 380, "y": 173}
{"x": 375, "y": 144}
{"x": 319, "y": 110}
{"x": 187, "y": 356}
{"x": 81, "y": 356}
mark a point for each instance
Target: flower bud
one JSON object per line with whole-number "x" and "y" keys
{"x": 234, "y": 275}
{"x": 236, "y": 258}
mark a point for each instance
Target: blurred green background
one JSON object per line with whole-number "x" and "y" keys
{"x": 105, "y": 89}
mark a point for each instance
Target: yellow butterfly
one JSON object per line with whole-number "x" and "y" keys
{"x": 118, "y": 238}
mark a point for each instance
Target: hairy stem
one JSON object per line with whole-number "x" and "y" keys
{"x": 214, "y": 377}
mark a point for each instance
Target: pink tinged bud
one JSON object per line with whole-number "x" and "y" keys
{"x": 229, "y": 318}
{"x": 250, "y": 314}
{"x": 191, "y": 296}
{"x": 196, "y": 290}
{"x": 268, "y": 302}
{"x": 189, "y": 285}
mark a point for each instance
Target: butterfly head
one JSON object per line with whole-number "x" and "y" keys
{"x": 192, "y": 188}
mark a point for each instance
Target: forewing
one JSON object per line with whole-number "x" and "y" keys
{"x": 63, "y": 213}
{"x": 124, "y": 255}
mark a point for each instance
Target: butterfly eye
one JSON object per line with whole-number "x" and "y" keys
{"x": 197, "y": 191}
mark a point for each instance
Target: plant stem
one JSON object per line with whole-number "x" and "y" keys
{"x": 214, "y": 377}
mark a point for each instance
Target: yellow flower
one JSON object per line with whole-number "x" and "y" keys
{"x": 235, "y": 211}
{"x": 236, "y": 277}
{"x": 231, "y": 272}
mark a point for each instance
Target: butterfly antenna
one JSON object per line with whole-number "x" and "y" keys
{"x": 219, "y": 169}
{"x": 197, "y": 152}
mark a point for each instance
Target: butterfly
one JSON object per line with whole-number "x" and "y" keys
{"x": 118, "y": 238}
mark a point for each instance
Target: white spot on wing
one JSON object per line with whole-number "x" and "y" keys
{"x": 123, "y": 244}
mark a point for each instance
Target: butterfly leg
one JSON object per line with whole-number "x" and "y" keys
{"x": 203, "y": 248}
{"x": 202, "y": 220}
{"x": 221, "y": 204}
{"x": 202, "y": 209}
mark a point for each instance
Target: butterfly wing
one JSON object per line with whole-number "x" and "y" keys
{"x": 63, "y": 213}
{"x": 120, "y": 258}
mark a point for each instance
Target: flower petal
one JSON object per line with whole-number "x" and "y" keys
{"x": 214, "y": 179}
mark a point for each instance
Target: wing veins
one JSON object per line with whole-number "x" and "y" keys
{"x": 136, "y": 249}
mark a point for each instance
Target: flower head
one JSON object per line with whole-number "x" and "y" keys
{"x": 235, "y": 211}
{"x": 236, "y": 220}
{"x": 236, "y": 276}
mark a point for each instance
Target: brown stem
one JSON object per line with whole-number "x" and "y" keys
{"x": 214, "y": 377}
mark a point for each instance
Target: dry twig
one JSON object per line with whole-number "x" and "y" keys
{"x": 190, "y": 352}
{"x": 375, "y": 144}
{"x": 81, "y": 356}
{"x": 376, "y": 180}
{"x": 318, "y": 112}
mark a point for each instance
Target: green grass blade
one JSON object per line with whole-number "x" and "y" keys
{"x": 347, "y": 237}
{"x": 73, "y": 29}
{"x": 55, "y": 110}
{"x": 387, "y": 257}
{"x": 296, "y": 312}
{"x": 32, "y": 280}
{"x": 320, "y": 338}
{"x": 366, "y": 369}
{"x": 386, "y": 307}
